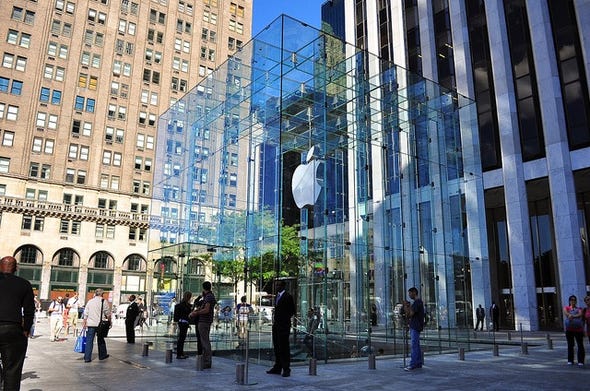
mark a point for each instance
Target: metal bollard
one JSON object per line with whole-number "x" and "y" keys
{"x": 371, "y": 361}
{"x": 146, "y": 349}
{"x": 240, "y": 371}
{"x": 199, "y": 362}
{"x": 462, "y": 354}
{"x": 524, "y": 348}
{"x": 509, "y": 336}
{"x": 313, "y": 367}
{"x": 549, "y": 342}
{"x": 168, "y": 355}
{"x": 496, "y": 350}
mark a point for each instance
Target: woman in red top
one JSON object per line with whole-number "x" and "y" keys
{"x": 574, "y": 330}
{"x": 586, "y": 312}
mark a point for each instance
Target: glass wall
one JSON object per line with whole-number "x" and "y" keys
{"x": 303, "y": 158}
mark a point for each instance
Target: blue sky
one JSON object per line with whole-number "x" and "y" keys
{"x": 265, "y": 11}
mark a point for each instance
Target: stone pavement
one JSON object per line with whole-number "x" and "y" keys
{"x": 55, "y": 366}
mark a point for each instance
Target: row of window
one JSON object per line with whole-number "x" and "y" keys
{"x": 14, "y": 87}
{"x": 74, "y": 227}
{"x": 12, "y": 61}
{"x": 43, "y": 171}
{"x": 61, "y": 28}
{"x": 22, "y": 15}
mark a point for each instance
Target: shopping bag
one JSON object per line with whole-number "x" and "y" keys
{"x": 80, "y": 345}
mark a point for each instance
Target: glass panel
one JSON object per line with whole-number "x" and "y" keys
{"x": 329, "y": 168}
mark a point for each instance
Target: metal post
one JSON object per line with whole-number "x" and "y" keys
{"x": 509, "y": 336}
{"x": 168, "y": 354}
{"x": 313, "y": 367}
{"x": 240, "y": 370}
{"x": 462, "y": 354}
{"x": 549, "y": 342}
{"x": 372, "y": 361}
{"x": 199, "y": 362}
{"x": 496, "y": 352}
{"x": 146, "y": 349}
{"x": 524, "y": 348}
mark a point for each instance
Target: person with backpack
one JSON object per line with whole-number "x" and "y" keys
{"x": 205, "y": 314}
{"x": 415, "y": 316}
{"x": 56, "y": 322}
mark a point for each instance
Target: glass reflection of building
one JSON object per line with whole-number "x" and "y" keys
{"x": 393, "y": 155}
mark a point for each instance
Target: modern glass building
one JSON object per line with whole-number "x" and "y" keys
{"x": 306, "y": 158}
{"x": 526, "y": 63}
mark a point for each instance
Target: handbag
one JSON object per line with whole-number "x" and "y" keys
{"x": 80, "y": 345}
{"x": 104, "y": 326}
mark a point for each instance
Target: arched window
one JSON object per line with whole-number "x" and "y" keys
{"x": 134, "y": 262}
{"x": 66, "y": 257}
{"x": 28, "y": 254}
{"x": 102, "y": 260}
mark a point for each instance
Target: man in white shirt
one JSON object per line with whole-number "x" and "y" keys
{"x": 92, "y": 317}
{"x": 55, "y": 311}
{"x": 72, "y": 305}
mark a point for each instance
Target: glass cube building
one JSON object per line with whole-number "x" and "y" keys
{"x": 307, "y": 159}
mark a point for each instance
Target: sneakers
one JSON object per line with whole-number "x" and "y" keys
{"x": 580, "y": 365}
{"x": 412, "y": 367}
{"x": 570, "y": 363}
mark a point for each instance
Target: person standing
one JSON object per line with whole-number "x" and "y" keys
{"x": 586, "y": 315}
{"x": 480, "y": 314}
{"x": 55, "y": 310}
{"x": 17, "y": 312}
{"x": 495, "y": 314}
{"x": 243, "y": 310}
{"x": 284, "y": 310}
{"x": 415, "y": 315}
{"x": 181, "y": 314}
{"x": 205, "y": 314}
{"x": 574, "y": 331}
{"x": 96, "y": 309}
{"x": 130, "y": 319}
{"x": 194, "y": 319}
{"x": 72, "y": 306}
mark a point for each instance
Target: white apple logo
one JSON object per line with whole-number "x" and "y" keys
{"x": 304, "y": 185}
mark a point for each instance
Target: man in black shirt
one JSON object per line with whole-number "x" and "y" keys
{"x": 281, "y": 327}
{"x": 17, "y": 311}
{"x": 130, "y": 319}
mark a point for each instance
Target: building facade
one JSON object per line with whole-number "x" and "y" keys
{"x": 82, "y": 84}
{"x": 526, "y": 63}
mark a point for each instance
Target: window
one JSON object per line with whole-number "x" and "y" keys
{"x": 84, "y": 152}
{"x": 117, "y": 157}
{"x": 49, "y": 144}
{"x": 45, "y": 171}
{"x": 4, "y": 164}
{"x": 8, "y": 138}
{"x": 73, "y": 153}
{"x": 70, "y": 175}
{"x": 37, "y": 144}
{"x": 4, "y": 83}
{"x": 44, "y": 96}
{"x": 8, "y": 60}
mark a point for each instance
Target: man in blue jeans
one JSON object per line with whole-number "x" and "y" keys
{"x": 415, "y": 315}
{"x": 96, "y": 309}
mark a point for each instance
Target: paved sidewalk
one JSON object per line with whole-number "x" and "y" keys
{"x": 55, "y": 366}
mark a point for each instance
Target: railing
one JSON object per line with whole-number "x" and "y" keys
{"x": 69, "y": 211}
